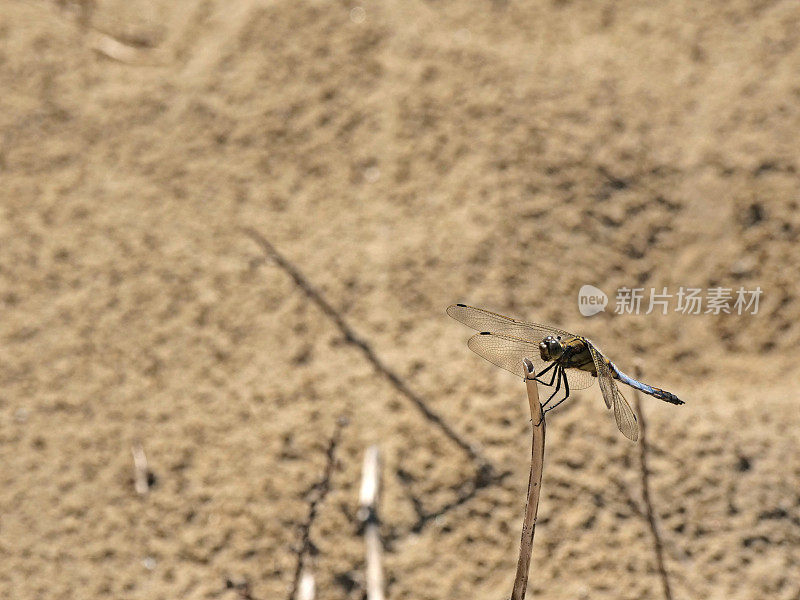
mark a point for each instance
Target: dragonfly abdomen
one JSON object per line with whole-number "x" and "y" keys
{"x": 647, "y": 389}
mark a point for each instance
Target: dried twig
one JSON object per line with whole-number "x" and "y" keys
{"x": 484, "y": 467}
{"x": 319, "y": 491}
{"x": 110, "y": 47}
{"x": 307, "y": 588}
{"x": 81, "y": 12}
{"x": 368, "y": 516}
{"x": 648, "y": 503}
{"x": 534, "y": 485}
{"x": 141, "y": 473}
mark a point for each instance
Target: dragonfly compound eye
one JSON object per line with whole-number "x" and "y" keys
{"x": 549, "y": 348}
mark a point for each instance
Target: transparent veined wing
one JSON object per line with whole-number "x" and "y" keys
{"x": 507, "y": 352}
{"x": 623, "y": 413}
{"x": 484, "y": 320}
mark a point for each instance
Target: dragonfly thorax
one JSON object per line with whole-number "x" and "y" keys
{"x": 551, "y": 348}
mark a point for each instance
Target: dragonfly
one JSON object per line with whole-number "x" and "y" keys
{"x": 570, "y": 360}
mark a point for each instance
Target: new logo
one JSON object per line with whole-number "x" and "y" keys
{"x": 591, "y": 300}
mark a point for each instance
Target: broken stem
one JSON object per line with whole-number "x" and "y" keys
{"x": 368, "y": 515}
{"x": 534, "y": 485}
{"x": 141, "y": 472}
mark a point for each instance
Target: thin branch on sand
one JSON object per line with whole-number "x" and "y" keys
{"x": 319, "y": 492}
{"x": 658, "y": 546}
{"x": 82, "y": 12}
{"x": 534, "y": 485}
{"x": 485, "y": 471}
{"x": 307, "y": 588}
{"x": 368, "y": 516}
{"x": 111, "y": 47}
{"x": 141, "y": 472}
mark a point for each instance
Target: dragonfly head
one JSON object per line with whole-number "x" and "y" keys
{"x": 551, "y": 348}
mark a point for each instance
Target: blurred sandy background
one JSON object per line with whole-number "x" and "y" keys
{"x": 404, "y": 156}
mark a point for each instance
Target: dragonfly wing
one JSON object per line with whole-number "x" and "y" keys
{"x": 507, "y": 352}
{"x": 626, "y": 419}
{"x": 604, "y": 377}
{"x": 579, "y": 380}
{"x": 484, "y": 320}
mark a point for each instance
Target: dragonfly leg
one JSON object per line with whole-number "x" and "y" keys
{"x": 566, "y": 393}
{"x": 552, "y": 378}
{"x": 560, "y": 372}
{"x": 547, "y": 410}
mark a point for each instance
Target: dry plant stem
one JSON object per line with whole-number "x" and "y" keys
{"x": 648, "y": 502}
{"x": 318, "y": 494}
{"x": 368, "y": 515}
{"x": 112, "y": 48}
{"x": 99, "y": 41}
{"x": 485, "y": 469}
{"x": 534, "y": 486}
{"x": 374, "y": 567}
{"x": 140, "y": 470}
{"x": 307, "y": 587}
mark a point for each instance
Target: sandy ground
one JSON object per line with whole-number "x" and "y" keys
{"x": 403, "y": 156}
